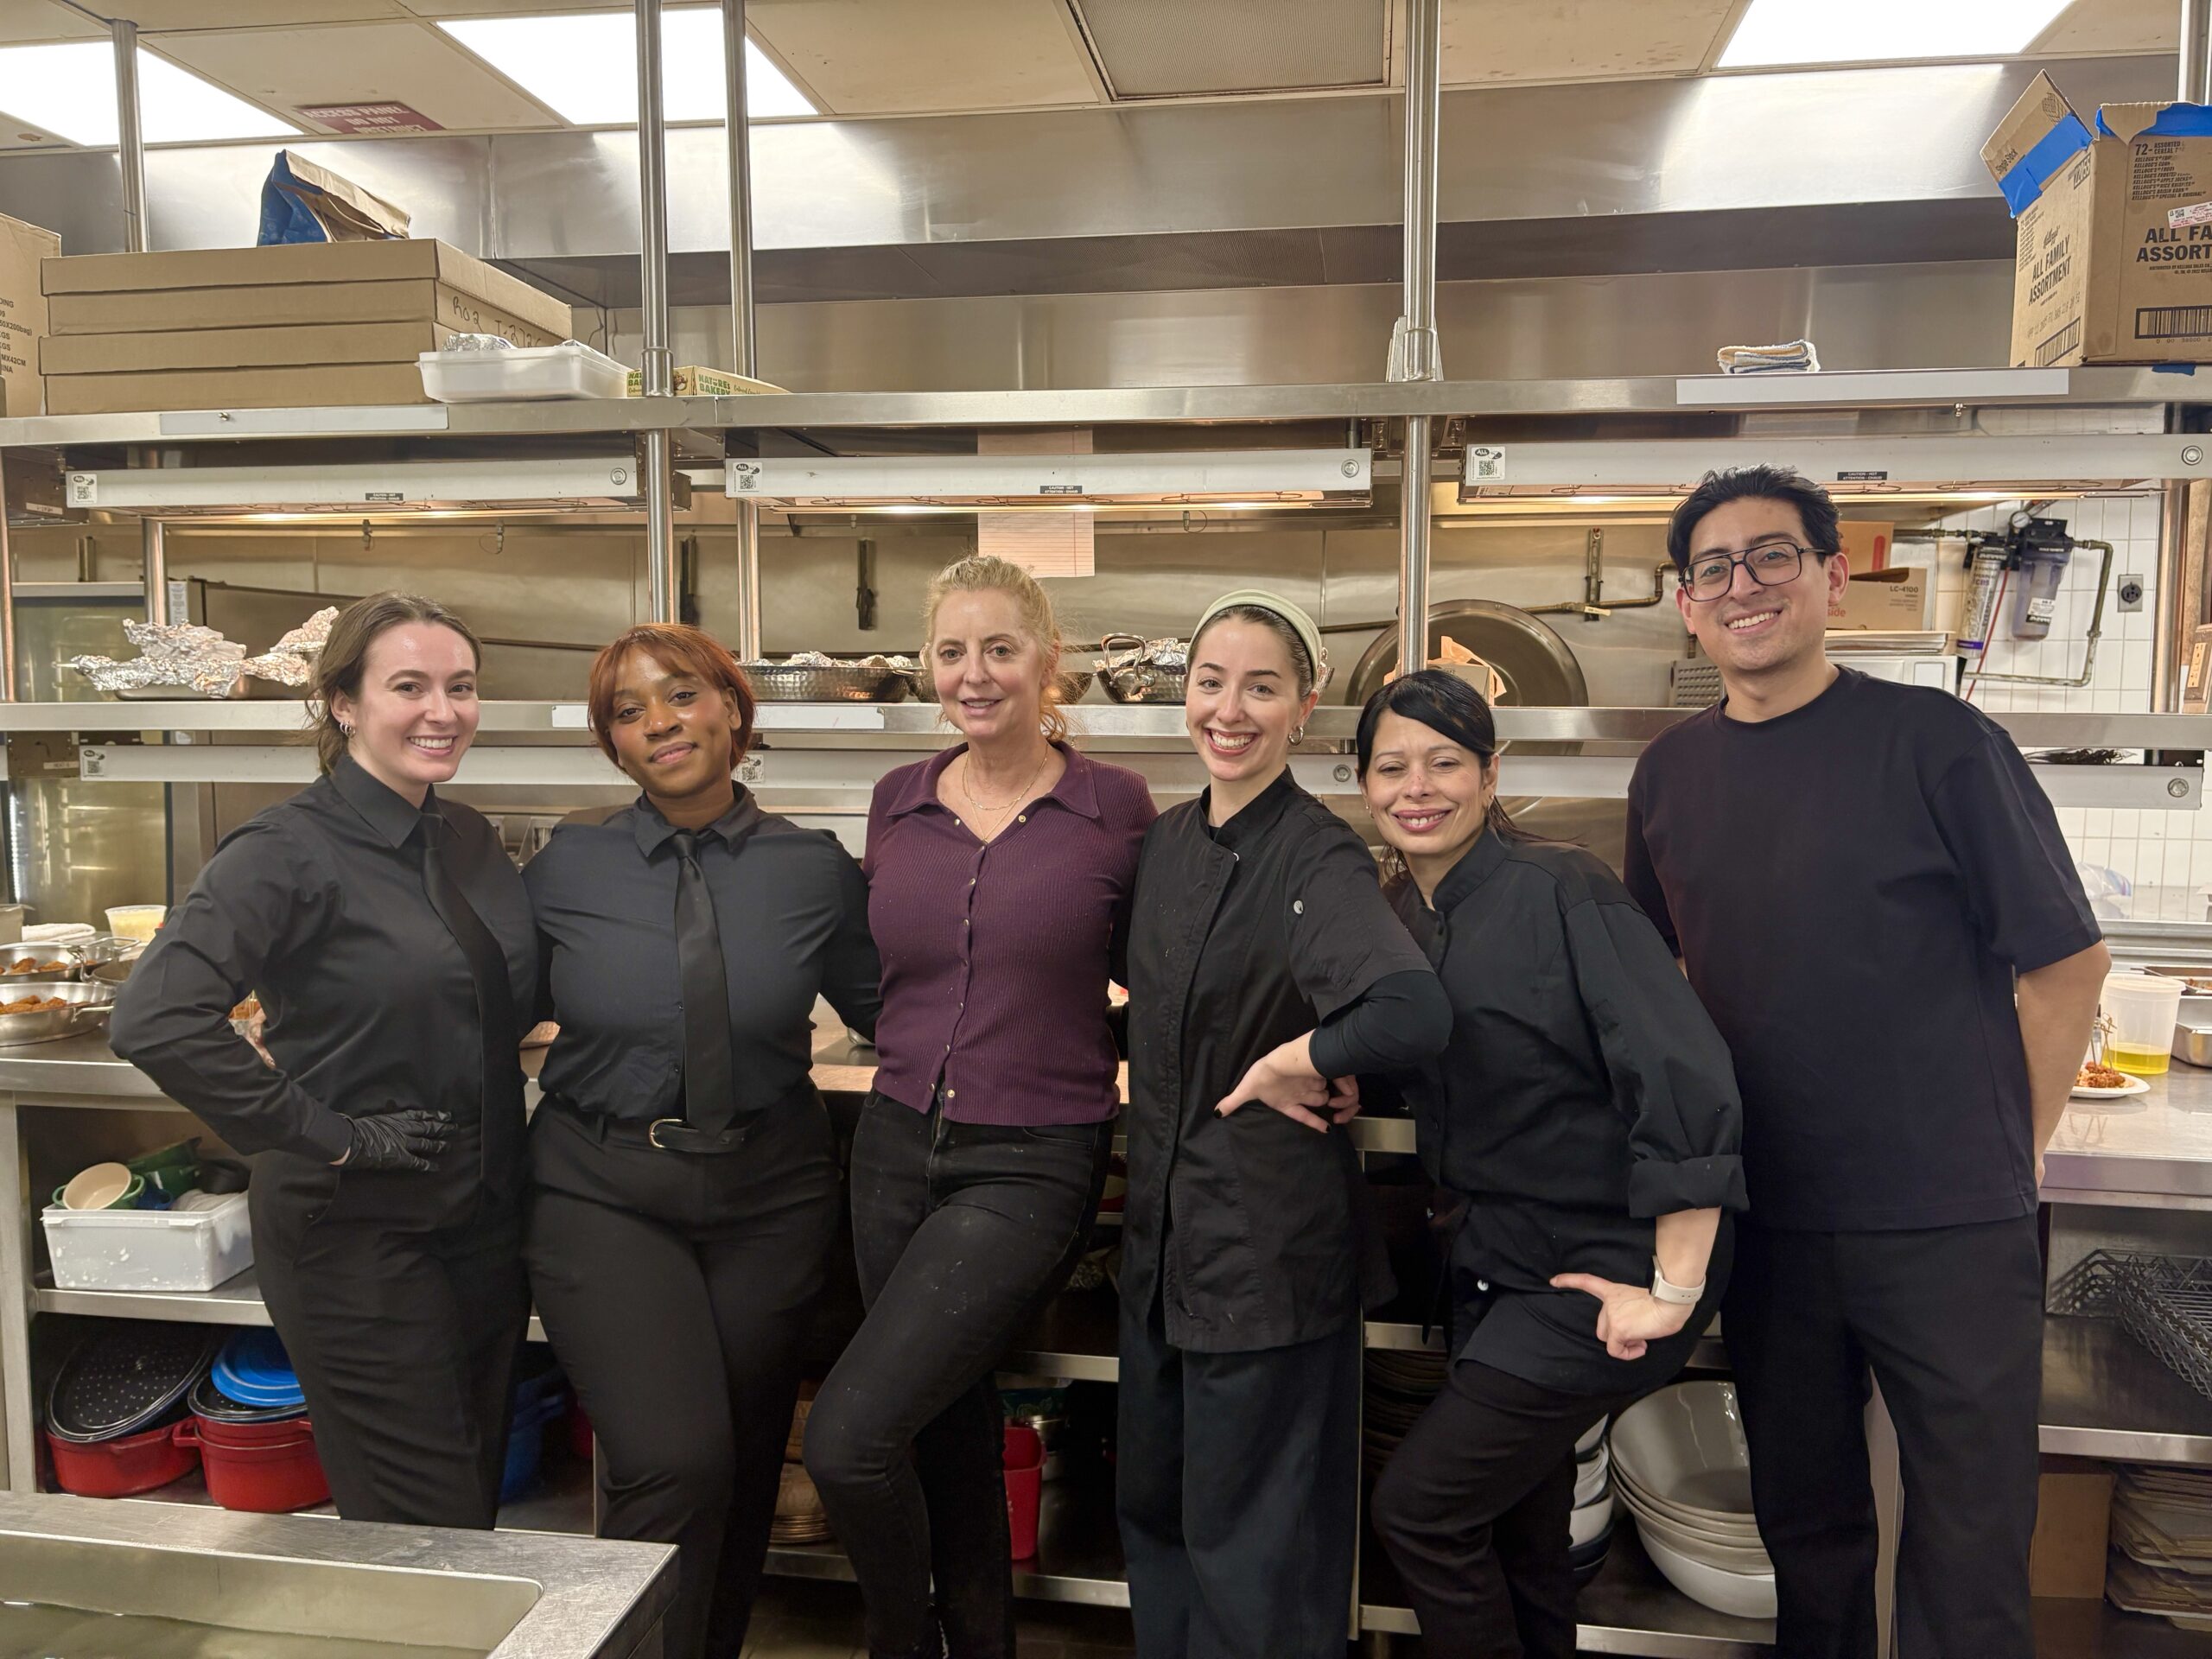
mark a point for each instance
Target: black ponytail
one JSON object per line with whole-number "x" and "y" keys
{"x": 1446, "y": 704}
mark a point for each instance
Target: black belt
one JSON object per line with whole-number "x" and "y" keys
{"x": 673, "y": 1133}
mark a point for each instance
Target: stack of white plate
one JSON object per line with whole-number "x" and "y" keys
{"x": 1683, "y": 1472}
{"x": 1590, "y": 1530}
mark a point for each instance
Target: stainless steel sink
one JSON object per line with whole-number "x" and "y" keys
{"x": 310, "y": 1580}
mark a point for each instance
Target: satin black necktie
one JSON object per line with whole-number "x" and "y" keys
{"x": 495, "y": 1009}
{"x": 710, "y": 1071}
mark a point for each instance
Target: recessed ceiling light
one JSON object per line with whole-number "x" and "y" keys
{"x": 70, "y": 90}
{"x": 581, "y": 65}
{"x": 1884, "y": 31}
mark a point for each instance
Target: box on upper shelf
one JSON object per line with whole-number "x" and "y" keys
{"x": 23, "y": 248}
{"x": 285, "y": 326}
{"x": 692, "y": 381}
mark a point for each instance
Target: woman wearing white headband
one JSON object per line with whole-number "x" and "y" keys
{"x": 1266, "y": 972}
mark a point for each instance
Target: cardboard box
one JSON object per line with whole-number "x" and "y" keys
{"x": 312, "y": 387}
{"x": 306, "y": 262}
{"x": 2073, "y": 1525}
{"x": 23, "y": 248}
{"x": 296, "y": 305}
{"x": 1887, "y": 600}
{"x": 2114, "y": 259}
{"x": 695, "y": 381}
{"x": 1867, "y": 544}
{"x": 240, "y": 348}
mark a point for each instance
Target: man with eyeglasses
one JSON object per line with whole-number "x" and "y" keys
{"x": 1872, "y": 896}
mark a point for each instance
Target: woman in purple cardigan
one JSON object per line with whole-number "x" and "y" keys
{"x": 999, "y": 880}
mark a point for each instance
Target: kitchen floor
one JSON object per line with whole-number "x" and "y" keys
{"x": 798, "y": 1620}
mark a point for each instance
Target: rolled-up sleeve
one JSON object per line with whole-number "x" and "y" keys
{"x": 1670, "y": 1073}
{"x": 261, "y": 897}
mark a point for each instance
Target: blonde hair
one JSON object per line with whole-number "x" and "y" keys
{"x": 986, "y": 573}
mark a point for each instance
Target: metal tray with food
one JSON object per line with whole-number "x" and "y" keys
{"x": 807, "y": 680}
{"x": 47, "y": 1013}
{"x": 2194, "y": 981}
{"x": 1143, "y": 670}
{"x": 38, "y": 962}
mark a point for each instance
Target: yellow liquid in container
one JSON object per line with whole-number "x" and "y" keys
{"x": 2139, "y": 1062}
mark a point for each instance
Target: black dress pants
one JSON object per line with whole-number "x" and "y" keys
{"x": 1238, "y": 1493}
{"x": 674, "y": 1287}
{"x": 1949, "y": 1320}
{"x": 404, "y": 1333}
{"x": 1474, "y": 1508}
{"x": 961, "y": 1233}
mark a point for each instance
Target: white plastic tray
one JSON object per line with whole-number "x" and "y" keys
{"x": 528, "y": 372}
{"x": 148, "y": 1249}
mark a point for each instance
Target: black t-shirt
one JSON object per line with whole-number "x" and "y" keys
{"x": 1852, "y": 887}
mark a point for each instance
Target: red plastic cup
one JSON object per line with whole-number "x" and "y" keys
{"x": 1024, "y": 1458}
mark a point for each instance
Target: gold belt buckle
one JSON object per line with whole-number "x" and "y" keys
{"x": 652, "y": 1134}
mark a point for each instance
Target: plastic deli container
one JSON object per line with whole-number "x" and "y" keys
{"x": 2142, "y": 1010}
{"x": 570, "y": 369}
{"x": 1025, "y": 1489}
{"x": 261, "y": 1468}
{"x": 148, "y": 1249}
{"x": 125, "y": 1466}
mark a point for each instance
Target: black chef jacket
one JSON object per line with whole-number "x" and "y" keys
{"x": 1242, "y": 938}
{"x": 791, "y": 907}
{"x": 1584, "y": 1091}
{"x": 317, "y": 907}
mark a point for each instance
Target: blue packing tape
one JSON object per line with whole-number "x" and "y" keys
{"x": 2175, "y": 121}
{"x": 2045, "y": 157}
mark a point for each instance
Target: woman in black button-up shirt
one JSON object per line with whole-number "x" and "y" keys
{"x": 389, "y": 940}
{"x": 1582, "y": 1129}
{"x": 684, "y": 1178}
{"x": 1265, "y": 971}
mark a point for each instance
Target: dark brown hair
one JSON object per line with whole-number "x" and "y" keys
{"x": 680, "y": 648}
{"x": 338, "y": 668}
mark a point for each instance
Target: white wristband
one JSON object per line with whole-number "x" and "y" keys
{"x": 1679, "y": 1295}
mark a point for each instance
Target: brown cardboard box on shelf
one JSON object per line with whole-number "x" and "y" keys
{"x": 317, "y": 385}
{"x": 23, "y": 248}
{"x": 694, "y": 382}
{"x": 2114, "y": 232}
{"x": 2073, "y": 1526}
{"x": 1867, "y": 544}
{"x": 306, "y": 262}
{"x": 298, "y": 305}
{"x": 1891, "y": 599}
{"x": 71, "y": 355}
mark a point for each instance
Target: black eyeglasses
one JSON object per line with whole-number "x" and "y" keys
{"x": 1770, "y": 565}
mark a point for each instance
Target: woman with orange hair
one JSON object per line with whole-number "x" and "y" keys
{"x": 684, "y": 1178}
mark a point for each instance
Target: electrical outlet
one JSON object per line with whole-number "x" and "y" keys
{"x": 2130, "y": 592}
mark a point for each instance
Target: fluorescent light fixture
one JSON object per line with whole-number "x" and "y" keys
{"x": 276, "y": 492}
{"x": 69, "y": 90}
{"x": 581, "y": 65}
{"x": 1776, "y": 32}
{"x": 1226, "y": 478}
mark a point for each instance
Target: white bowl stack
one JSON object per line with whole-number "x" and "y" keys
{"x": 1683, "y": 1472}
{"x": 1590, "y": 1529}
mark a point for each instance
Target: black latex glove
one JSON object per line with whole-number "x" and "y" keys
{"x": 413, "y": 1139}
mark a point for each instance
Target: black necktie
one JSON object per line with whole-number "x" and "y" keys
{"x": 710, "y": 1073}
{"x": 495, "y": 1009}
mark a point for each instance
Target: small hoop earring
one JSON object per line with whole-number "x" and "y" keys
{"x": 344, "y": 727}
{"x": 1297, "y": 733}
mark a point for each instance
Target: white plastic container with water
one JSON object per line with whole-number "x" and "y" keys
{"x": 148, "y": 1249}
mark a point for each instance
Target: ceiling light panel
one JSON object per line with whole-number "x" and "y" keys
{"x": 69, "y": 89}
{"x": 1778, "y": 32}
{"x": 578, "y": 64}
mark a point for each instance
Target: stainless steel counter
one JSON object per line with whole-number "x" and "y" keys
{"x": 2151, "y": 1150}
{"x": 518, "y": 1595}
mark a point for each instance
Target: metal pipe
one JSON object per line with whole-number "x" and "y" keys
{"x": 657, "y": 367}
{"x": 130, "y": 145}
{"x": 1412, "y": 548}
{"x": 2195, "y": 44}
{"x": 745, "y": 631}
{"x": 153, "y": 546}
{"x": 7, "y": 602}
{"x": 2088, "y": 656}
{"x": 1416, "y": 356}
{"x": 2171, "y": 631}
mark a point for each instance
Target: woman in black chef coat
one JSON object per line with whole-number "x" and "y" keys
{"x": 390, "y": 942}
{"x": 1265, "y": 971}
{"x": 684, "y": 1176}
{"x": 1584, "y": 1127}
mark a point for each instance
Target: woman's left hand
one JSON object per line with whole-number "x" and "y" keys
{"x": 1630, "y": 1318}
{"x": 1302, "y": 1097}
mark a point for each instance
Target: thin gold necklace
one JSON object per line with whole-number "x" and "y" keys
{"x": 967, "y": 763}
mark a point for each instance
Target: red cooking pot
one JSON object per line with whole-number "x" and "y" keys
{"x": 263, "y": 1468}
{"x": 125, "y": 1466}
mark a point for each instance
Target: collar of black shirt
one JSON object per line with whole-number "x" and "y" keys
{"x": 386, "y": 811}
{"x": 1476, "y": 866}
{"x": 653, "y": 831}
{"x": 1077, "y": 789}
{"x": 1259, "y": 815}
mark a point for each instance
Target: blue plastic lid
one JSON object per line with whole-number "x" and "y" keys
{"x": 254, "y": 1370}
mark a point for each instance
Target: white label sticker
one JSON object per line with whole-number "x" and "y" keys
{"x": 2195, "y": 213}
{"x": 1486, "y": 465}
{"x": 571, "y": 717}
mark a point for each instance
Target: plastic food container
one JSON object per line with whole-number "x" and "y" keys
{"x": 123, "y": 1467}
{"x": 261, "y": 1468}
{"x": 570, "y": 369}
{"x": 2144, "y": 1009}
{"x": 149, "y": 1249}
{"x": 136, "y": 921}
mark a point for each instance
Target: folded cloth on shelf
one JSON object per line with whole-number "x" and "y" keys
{"x": 1792, "y": 356}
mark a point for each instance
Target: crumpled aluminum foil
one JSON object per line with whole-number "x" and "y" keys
{"x": 183, "y": 654}
{"x": 291, "y": 660}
